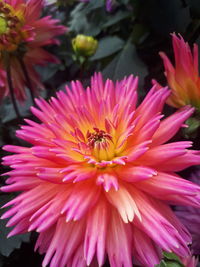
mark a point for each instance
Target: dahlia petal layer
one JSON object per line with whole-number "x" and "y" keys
{"x": 98, "y": 178}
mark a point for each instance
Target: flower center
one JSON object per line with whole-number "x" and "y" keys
{"x": 11, "y": 24}
{"x": 100, "y": 144}
{"x": 100, "y": 149}
{"x": 98, "y": 139}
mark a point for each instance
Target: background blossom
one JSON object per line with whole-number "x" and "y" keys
{"x": 191, "y": 219}
{"x": 183, "y": 78}
{"x": 24, "y": 38}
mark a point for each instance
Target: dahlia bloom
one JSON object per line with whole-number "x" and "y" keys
{"x": 24, "y": 34}
{"x": 183, "y": 79}
{"x": 99, "y": 176}
{"x": 190, "y": 217}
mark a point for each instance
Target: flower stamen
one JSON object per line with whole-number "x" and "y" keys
{"x": 98, "y": 139}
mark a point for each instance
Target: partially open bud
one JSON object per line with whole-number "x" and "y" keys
{"x": 85, "y": 46}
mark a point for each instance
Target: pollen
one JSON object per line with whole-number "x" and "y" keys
{"x": 98, "y": 139}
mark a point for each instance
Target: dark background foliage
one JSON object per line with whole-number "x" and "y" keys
{"x": 130, "y": 38}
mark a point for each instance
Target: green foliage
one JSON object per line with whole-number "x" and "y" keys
{"x": 108, "y": 46}
{"x": 192, "y": 129}
{"x": 170, "y": 260}
{"x": 7, "y": 245}
{"x": 125, "y": 63}
{"x": 116, "y": 18}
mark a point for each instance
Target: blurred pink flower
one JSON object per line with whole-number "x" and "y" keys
{"x": 183, "y": 79}
{"x": 190, "y": 217}
{"x": 99, "y": 176}
{"x": 24, "y": 34}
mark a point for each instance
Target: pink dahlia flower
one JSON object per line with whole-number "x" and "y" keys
{"x": 99, "y": 176}
{"x": 183, "y": 79}
{"x": 23, "y": 34}
{"x": 190, "y": 217}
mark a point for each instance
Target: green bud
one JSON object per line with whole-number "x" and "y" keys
{"x": 85, "y": 46}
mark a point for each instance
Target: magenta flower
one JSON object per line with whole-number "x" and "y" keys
{"x": 99, "y": 176}
{"x": 109, "y": 5}
{"x": 183, "y": 78}
{"x": 190, "y": 217}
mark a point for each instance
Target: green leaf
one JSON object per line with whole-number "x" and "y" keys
{"x": 115, "y": 18}
{"x": 7, "y": 245}
{"x": 125, "y": 63}
{"x": 162, "y": 264}
{"x": 92, "y": 5}
{"x": 78, "y": 20}
{"x": 48, "y": 72}
{"x": 7, "y": 112}
{"x": 193, "y": 126}
{"x": 95, "y": 22}
{"x": 170, "y": 260}
{"x": 171, "y": 256}
{"x": 124, "y": 2}
{"x": 108, "y": 46}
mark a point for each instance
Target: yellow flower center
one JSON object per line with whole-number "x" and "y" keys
{"x": 101, "y": 146}
{"x": 98, "y": 139}
{"x": 11, "y": 24}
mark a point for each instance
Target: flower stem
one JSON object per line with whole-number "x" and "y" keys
{"x": 27, "y": 78}
{"x": 11, "y": 89}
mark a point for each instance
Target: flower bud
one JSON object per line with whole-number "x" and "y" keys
{"x": 84, "y": 45}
